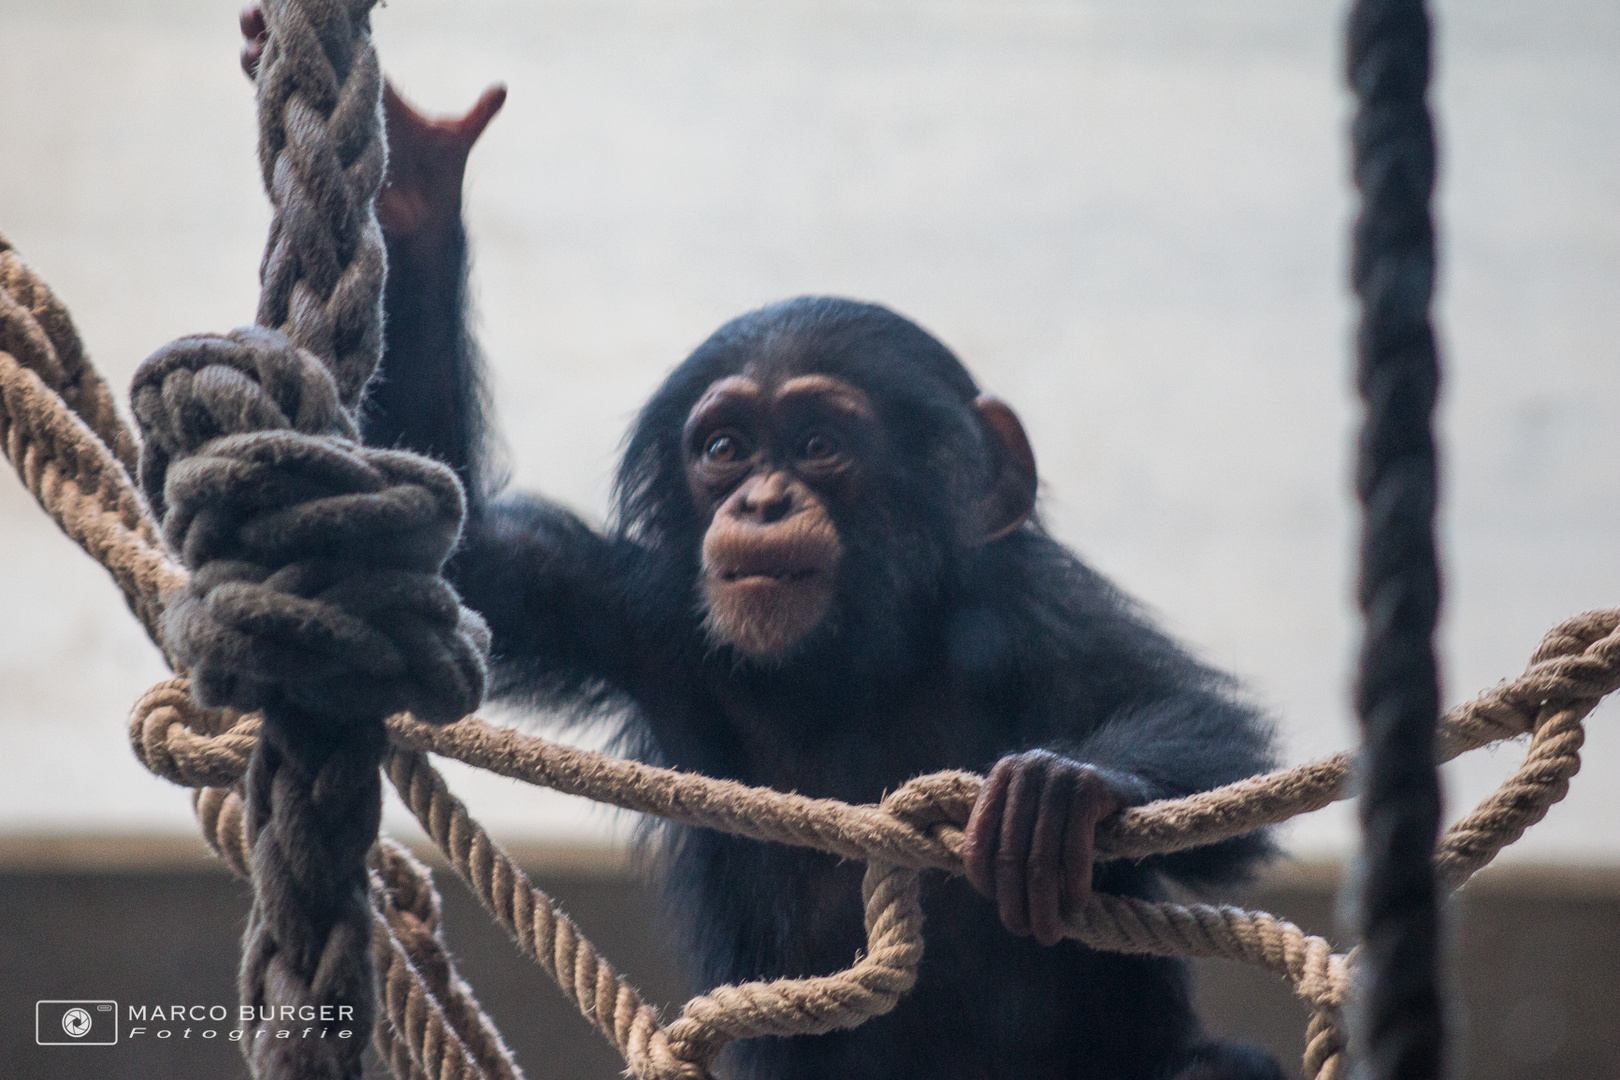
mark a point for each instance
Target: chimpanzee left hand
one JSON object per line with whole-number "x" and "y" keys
{"x": 427, "y": 156}
{"x": 1030, "y": 839}
{"x": 426, "y": 160}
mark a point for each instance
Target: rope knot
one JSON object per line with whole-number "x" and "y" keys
{"x": 315, "y": 560}
{"x": 937, "y": 805}
{"x": 199, "y": 388}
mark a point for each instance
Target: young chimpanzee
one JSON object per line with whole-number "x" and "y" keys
{"x": 825, "y": 577}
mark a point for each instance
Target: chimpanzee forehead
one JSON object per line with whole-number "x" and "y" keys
{"x": 866, "y": 345}
{"x": 768, "y": 389}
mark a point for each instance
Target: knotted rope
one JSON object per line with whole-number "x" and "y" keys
{"x": 314, "y": 595}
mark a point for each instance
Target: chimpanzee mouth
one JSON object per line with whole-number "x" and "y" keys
{"x": 781, "y": 577}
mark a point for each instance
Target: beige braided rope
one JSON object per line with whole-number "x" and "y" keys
{"x": 44, "y": 332}
{"x": 412, "y": 917}
{"x": 1324, "y": 1045}
{"x": 783, "y": 1007}
{"x": 61, "y": 432}
{"x": 57, "y": 437}
{"x": 431, "y": 1046}
{"x": 541, "y": 929}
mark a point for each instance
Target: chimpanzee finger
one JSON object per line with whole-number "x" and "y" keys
{"x": 1012, "y": 852}
{"x": 1093, "y": 801}
{"x": 1079, "y": 851}
{"x": 472, "y": 125}
{"x": 254, "y": 34}
{"x": 982, "y": 836}
{"x": 1044, "y": 873}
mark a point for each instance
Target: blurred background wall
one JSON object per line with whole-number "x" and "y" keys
{"x": 1128, "y": 219}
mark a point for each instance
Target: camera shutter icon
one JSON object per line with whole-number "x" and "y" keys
{"x": 76, "y": 1022}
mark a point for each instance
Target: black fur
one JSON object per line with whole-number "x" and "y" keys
{"x": 943, "y": 655}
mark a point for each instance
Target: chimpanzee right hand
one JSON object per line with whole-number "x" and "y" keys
{"x": 427, "y": 156}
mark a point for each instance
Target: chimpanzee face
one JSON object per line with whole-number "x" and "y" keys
{"x": 767, "y": 461}
{"x": 773, "y": 461}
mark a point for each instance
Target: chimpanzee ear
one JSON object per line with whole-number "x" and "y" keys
{"x": 1010, "y": 498}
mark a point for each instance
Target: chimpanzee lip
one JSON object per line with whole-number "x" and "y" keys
{"x": 783, "y": 576}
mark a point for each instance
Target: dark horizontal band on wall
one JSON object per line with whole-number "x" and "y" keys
{"x": 158, "y": 852}
{"x": 167, "y": 852}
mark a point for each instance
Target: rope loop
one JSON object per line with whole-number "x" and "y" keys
{"x": 872, "y": 986}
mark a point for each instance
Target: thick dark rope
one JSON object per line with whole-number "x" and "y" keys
{"x": 322, "y": 158}
{"x": 1398, "y": 1024}
{"x": 313, "y": 809}
{"x": 315, "y": 594}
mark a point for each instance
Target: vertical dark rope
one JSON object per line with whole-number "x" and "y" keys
{"x": 1397, "y": 1028}
{"x": 315, "y": 593}
{"x": 314, "y": 794}
{"x": 313, "y": 808}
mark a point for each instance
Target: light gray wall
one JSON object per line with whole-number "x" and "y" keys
{"x": 1126, "y": 217}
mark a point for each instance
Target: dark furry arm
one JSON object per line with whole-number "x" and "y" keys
{"x": 556, "y": 596}
{"x": 428, "y": 394}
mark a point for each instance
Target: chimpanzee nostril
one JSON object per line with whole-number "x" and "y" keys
{"x": 772, "y": 510}
{"x": 768, "y": 498}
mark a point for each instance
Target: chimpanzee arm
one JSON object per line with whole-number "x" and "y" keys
{"x": 557, "y": 597}
{"x": 428, "y": 394}
{"x": 548, "y": 584}
{"x": 550, "y": 587}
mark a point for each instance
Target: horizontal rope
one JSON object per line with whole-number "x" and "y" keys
{"x": 919, "y": 827}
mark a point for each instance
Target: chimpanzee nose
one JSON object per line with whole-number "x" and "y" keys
{"x": 768, "y": 498}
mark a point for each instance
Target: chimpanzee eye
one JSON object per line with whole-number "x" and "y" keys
{"x": 722, "y": 448}
{"x": 818, "y": 446}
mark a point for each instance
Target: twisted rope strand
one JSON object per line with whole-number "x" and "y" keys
{"x": 59, "y": 429}
{"x": 412, "y": 919}
{"x": 539, "y": 927}
{"x": 434, "y": 1047}
{"x": 43, "y": 329}
{"x": 191, "y": 746}
{"x": 1398, "y": 1023}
